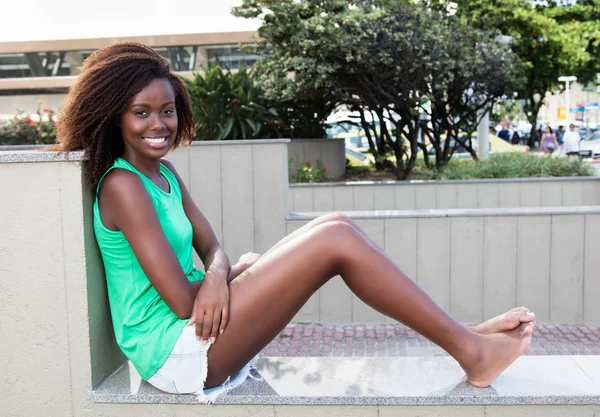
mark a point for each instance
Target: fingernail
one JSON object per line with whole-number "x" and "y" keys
{"x": 205, "y": 342}
{"x": 531, "y": 313}
{"x": 198, "y": 338}
{"x": 221, "y": 331}
{"x": 213, "y": 339}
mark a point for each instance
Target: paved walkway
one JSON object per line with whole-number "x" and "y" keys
{"x": 398, "y": 340}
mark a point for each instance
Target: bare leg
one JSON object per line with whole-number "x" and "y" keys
{"x": 505, "y": 321}
{"x": 266, "y": 297}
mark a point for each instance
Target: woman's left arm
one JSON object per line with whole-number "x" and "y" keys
{"x": 212, "y": 301}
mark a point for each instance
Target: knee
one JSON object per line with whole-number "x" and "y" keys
{"x": 339, "y": 217}
{"x": 338, "y": 232}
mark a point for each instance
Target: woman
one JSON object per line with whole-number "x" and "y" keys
{"x": 127, "y": 111}
{"x": 549, "y": 141}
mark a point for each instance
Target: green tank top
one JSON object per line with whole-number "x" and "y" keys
{"x": 146, "y": 329}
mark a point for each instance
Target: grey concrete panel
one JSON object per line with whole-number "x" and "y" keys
{"x": 488, "y": 195}
{"x": 499, "y": 265}
{"x": 425, "y": 196}
{"x": 509, "y": 194}
{"x": 530, "y": 194}
{"x": 323, "y": 199}
{"x": 405, "y": 197}
{"x": 295, "y": 156}
{"x": 591, "y": 193}
{"x": 466, "y": 269}
{"x": 551, "y": 193}
{"x": 432, "y": 411}
{"x": 335, "y": 302}
{"x": 433, "y": 262}
{"x": 573, "y": 193}
{"x": 312, "y": 152}
{"x": 206, "y": 184}
{"x": 292, "y": 226}
{"x": 467, "y": 196}
{"x": 533, "y": 265}
{"x": 333, "y": 157}
{"x": 343, "y": 199}
{"x": 238, "y": 200}
{"x": 270, "y": 189}
{"x": 325, "y": 411}
{"x": 34, "y": 347}
{"x": 384, "y": 197}
{"x": 446, "y": 196}
{"x": 364, "y": 197}
{"x": 302, "y": 199}
{"x": 566, "y": 269}
{"x": 591, "y": 282}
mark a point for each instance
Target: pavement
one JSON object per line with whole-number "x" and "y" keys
{"x": 398, "y": 341}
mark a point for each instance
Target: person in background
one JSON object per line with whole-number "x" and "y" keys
{"x": 560, "y": 133}
{"x": 572, "y": 141}
{"x": 549, "y": 141}
{"x": 515, "y": 139}
{"x": 504, "y": 134}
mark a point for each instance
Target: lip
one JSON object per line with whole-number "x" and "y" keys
{"x": 157, "y": 145}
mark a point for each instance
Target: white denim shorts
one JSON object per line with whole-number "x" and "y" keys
{"x": 185, "y": 370}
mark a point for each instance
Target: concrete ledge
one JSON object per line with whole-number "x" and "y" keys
{"x": 391, "y": 214}
{"x": 434, "y": 182}
{"x": 539, "y": 380}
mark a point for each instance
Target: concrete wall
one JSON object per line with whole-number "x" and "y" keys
{"x": 29, "y": 103}
{"x": 478, "y": 264}
{"x": 331, "y": 153}
{"x": 57, "y": 341}
{"x": 528, "y": 192}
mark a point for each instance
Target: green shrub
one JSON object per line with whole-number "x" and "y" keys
{"x": 23, "y": 130}
{"x": 308, "y": 173}
{"x": 229, "y": 105}
{"x": 513, "y": 166}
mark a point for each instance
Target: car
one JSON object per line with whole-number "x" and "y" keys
{"x": 590, "y": 147}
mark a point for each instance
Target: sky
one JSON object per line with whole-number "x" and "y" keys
{"x": 75, "y": 19}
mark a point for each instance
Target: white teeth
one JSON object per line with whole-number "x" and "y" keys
{"x": 155, "y": 140}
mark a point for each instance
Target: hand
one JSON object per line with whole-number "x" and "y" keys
{"x": 211, "y": 307}
{"x": 248, "y": 259}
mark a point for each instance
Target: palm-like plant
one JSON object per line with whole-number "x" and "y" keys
{"x": 229, "y": 105}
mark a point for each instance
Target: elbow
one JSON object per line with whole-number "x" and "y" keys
{"x": 182, "y": 312}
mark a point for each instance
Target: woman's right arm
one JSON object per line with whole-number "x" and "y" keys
{"x": 126, "y": 206}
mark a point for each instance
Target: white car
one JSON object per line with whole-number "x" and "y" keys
{"x": 590, "y": 148}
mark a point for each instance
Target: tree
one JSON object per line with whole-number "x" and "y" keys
{"x": 385, "y": 58}
{"x": 545, "y": 44}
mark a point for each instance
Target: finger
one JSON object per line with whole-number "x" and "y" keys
{"x": 214, "y": 332}
{"x": 207, "y": 325}
{"x": 224, "y": 319}
{"x": 199, "y": 323}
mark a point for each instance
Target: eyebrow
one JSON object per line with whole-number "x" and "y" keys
{"x": 146, "y": 105}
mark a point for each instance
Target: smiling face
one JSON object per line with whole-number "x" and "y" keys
{"x": 149, "y": 123}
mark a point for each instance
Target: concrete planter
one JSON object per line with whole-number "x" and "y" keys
{"x": 331, "y": 153}
{"x": 411, "y": 195}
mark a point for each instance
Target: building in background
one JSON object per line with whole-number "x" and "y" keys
{"x": 44, "y": 70}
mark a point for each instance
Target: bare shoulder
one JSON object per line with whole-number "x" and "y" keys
{"x": 119, "y": 183}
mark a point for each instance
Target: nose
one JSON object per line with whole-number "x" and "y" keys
{"x": 157, "y": 123}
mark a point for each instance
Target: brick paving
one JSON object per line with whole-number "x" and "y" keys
{"x": 398, "y": 340}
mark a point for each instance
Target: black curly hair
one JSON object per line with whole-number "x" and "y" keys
{"x": 111, "y": 77}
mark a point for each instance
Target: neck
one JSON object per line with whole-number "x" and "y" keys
{"x": 147, "y": 166}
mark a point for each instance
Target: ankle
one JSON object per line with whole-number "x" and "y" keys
{"x": 471, "y": 351}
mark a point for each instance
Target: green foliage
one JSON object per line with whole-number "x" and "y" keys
{"x": 23, "y": 130}
{"x": 549, "y": 40}
{"x": 230, "y": 105}
{"x": 382, "y": 57}
{"x": 511, "y": 166}
{"x": 308, "y": 173}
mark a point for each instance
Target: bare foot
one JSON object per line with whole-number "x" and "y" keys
{"x": 505, "y": 321}
{"x": 497, "y": 352}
